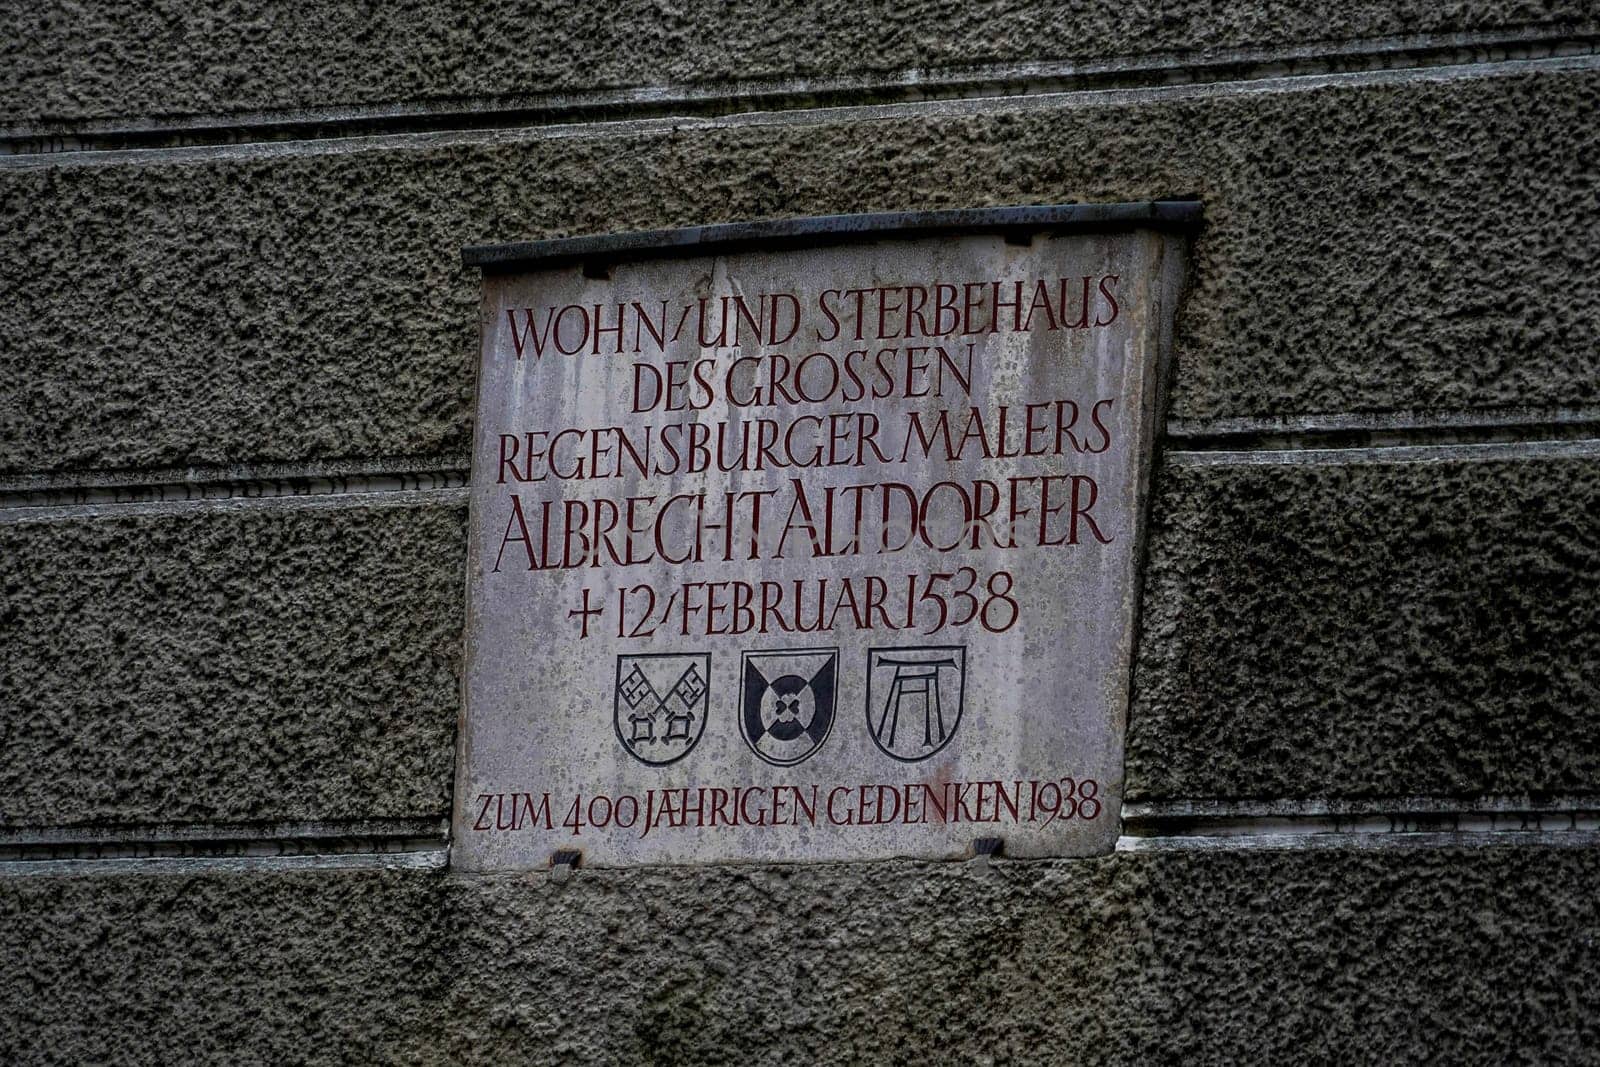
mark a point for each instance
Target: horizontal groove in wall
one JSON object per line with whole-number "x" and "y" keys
{"x": 1419, "y": 815}
{"x": 1399, "y": 822}
{"x": 1586, "y": 838}
{"x": 16, "y": 486}
{"x": 1399, "y": 437}
{"x": 1152, "y": 812}
{"x": 1575, "y": 60}
{"x": 1405, "y": 428}
{"x": 234, "y": 483}
{"x": 174, "y": 848}
{"x": 1345, "y": 456}
{"x": 1005, "y": 79}
{"x": 14, "y": 839}
{"x": 434, "y": 858}
{"x": 1414, "y": 822}
{"x": 445, "y": 480}
{"x": 261, "y": 497}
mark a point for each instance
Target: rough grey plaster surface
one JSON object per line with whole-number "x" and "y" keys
{"x": 1368, "y": 247}
{"x": 1312, "y": 630}
{"x": 1485, "y": 956}
{"x": 1370, "y": 630}
{"x": 259, "y": 665}
{"x": 61, "y": 60}
{"x": 1306, "y": 631}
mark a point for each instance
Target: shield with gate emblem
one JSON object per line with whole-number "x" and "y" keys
{"x": 786, "y": 702}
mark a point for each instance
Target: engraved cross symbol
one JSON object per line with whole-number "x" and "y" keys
{"x": 585, "y": 612}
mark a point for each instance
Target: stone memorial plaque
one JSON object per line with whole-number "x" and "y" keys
{"x": 814, "y": 540}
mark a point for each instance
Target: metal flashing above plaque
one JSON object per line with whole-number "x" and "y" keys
{"x": 811, "y": 540}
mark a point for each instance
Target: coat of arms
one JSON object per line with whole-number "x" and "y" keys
{"x": 786, "y": 702}
{"x": 660, "y": 704}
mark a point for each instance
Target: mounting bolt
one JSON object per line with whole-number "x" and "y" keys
{"x": 562, "y": 863}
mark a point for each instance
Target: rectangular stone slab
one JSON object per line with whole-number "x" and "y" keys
{"x": 813, "y": 540}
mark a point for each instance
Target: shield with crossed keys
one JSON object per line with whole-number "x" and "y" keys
{"x": 659, "y": 708}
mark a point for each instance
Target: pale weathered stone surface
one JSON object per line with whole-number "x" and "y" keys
{"x": 1465, "y": 956}
{"x": 251, "y": 666}
{"x": 1391, "y": 630}
{"x": 1368, "y": 248}
{"x": 71, "y": 60}
{"x": 933, "y": 518}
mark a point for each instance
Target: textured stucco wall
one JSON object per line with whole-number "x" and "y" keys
{"x": 1370, "y": 247}
{"x": 113, "y": 60}
{"x": 1208, "y": 958}
{"x": 1330, "y": 631}
{"x": 1381, "y": 629}
{"x": 236, "y": 666}
{"x": 235, "y": 399}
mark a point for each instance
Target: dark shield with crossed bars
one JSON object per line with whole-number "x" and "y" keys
{"x": 786, "y": 702}
{"x": 660, "y": 705}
